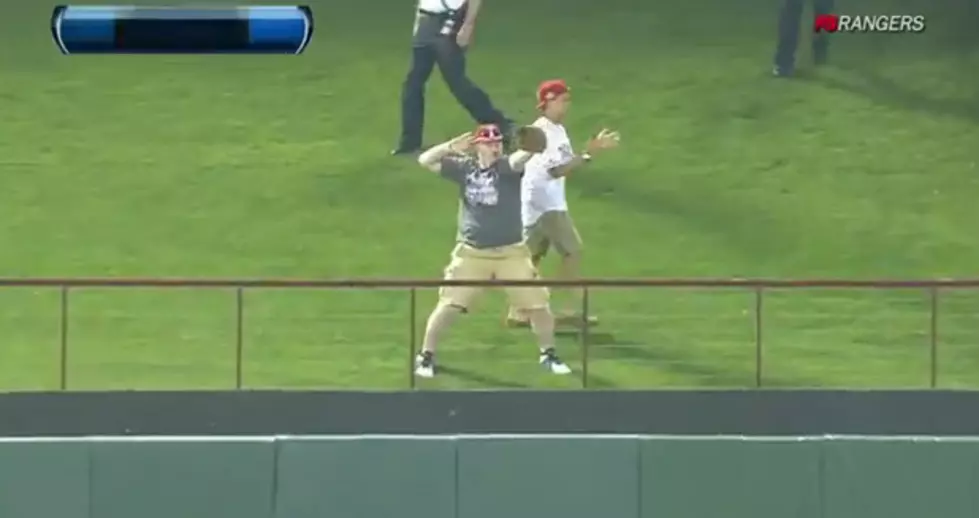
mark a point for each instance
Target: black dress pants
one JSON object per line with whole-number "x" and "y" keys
{"x": 451, "y": 60}
{"x": 789, "y": 21}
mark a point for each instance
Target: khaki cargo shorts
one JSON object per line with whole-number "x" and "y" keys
{"x": 504, "y": 263}
{"x": 554, "y": 228}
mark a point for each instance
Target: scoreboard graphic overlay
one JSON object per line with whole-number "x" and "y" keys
{"x": 93, "y": 29}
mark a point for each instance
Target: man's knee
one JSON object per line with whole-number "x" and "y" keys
{"x": 537, "y": 242}
{"x": 529, "y": 299}
{"x": 460, "y": 86}
{"x": 458, "y": 297}
{"x": 418, "y": 74}
{"x": 538, "y": 251}
{"x": 571, "y": 255}
{"x": 448, "y": 307}
{"x": 414, "y": 82}
{"x": 458, "y": 82}
{"x": 541, "y": 319}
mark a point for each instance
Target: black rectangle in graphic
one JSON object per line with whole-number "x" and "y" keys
{"x": 182, "y": 36}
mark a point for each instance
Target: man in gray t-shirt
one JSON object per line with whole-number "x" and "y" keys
{"x": 490, "y": 239}
{"x": 489, "y": 202}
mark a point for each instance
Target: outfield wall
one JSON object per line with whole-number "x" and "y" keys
{"x": 489, "y": 477}
{"x": 436, "y": 412}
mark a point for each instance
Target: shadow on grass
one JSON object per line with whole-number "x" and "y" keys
{"x": 481, "y": 379}
{"x": 602, "y": 383}
{"x": 594, "y": 338}
{"x": 704, "y": 373}
{"x": 889, "y": 92}
{"x": 606, "y": 346}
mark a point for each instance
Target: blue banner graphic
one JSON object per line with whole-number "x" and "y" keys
{"x": 164, "y": 30}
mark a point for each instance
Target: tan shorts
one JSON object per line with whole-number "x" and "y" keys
{"x": 554, "y": 228}
{"x": 503, "y": 263}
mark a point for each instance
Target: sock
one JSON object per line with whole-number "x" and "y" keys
{"x": 440, "y": 319}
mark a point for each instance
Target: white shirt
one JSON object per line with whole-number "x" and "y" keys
{"x": 540, "y": 191}
{"x": 440, "y": 6}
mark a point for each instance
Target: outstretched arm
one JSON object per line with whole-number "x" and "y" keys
{"x": 518, "y": 160}
{"x": 431, "y": 159}
{"x": 565, "y": 169}
{"x": 606, "y": 139}
{"x": 531, "y": 141}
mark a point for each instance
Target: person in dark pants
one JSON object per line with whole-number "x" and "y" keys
{"x": 789, "y": 20}
{"x": 443, "y": 31}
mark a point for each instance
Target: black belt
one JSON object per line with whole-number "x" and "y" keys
{"x": 433, "y": 13}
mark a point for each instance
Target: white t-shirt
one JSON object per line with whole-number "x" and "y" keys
{"x": 440, "y": 6}
{"x": 540, "y": 191}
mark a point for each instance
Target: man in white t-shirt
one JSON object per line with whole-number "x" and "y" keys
{"x": 546, "y": 220}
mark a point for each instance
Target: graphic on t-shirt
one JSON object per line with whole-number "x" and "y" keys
{"x": 481, "y": 188}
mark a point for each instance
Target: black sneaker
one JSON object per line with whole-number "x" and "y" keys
{"x": 425, "y": 364}
{"x": 549, "y": 359}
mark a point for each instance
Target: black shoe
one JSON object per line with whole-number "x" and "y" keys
{"x": 406, "y": 150}
{"x": 778, "y": 71}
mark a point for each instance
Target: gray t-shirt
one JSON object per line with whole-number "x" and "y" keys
{"x": 489, "y": 202}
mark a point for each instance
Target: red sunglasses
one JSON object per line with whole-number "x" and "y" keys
{"x": 488, "y": 133}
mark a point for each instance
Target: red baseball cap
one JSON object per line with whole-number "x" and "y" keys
{"x": 550, "y": 90}
{"x": 488, "y": 133}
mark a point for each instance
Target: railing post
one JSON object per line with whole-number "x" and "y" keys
{"x": 412, "y": 334}
{"x": 239, "y": 336}
{"x": 933, "y": 337}
{"x": 64, "y": 339}
{"x": 759, "y": 296}
{"x": 584, "y": 336}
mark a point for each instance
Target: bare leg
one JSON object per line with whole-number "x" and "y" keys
{"x": 570, "y": 266}
{"x": 440, "y": 320}
{"x": 542, "y": 321}
{"x": 570, "y": 270}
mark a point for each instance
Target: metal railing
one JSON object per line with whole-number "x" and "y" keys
{"x": 757, "y": 286}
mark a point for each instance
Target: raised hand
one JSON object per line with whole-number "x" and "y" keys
{"x": 462, "y": 143}
{"x": 606, "y": 139}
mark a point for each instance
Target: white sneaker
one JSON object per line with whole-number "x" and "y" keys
{"x": 549, "y": 359}
{"x": 425, "y": 365}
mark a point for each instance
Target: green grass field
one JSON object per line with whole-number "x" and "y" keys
{"x": 278, "y": 167}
